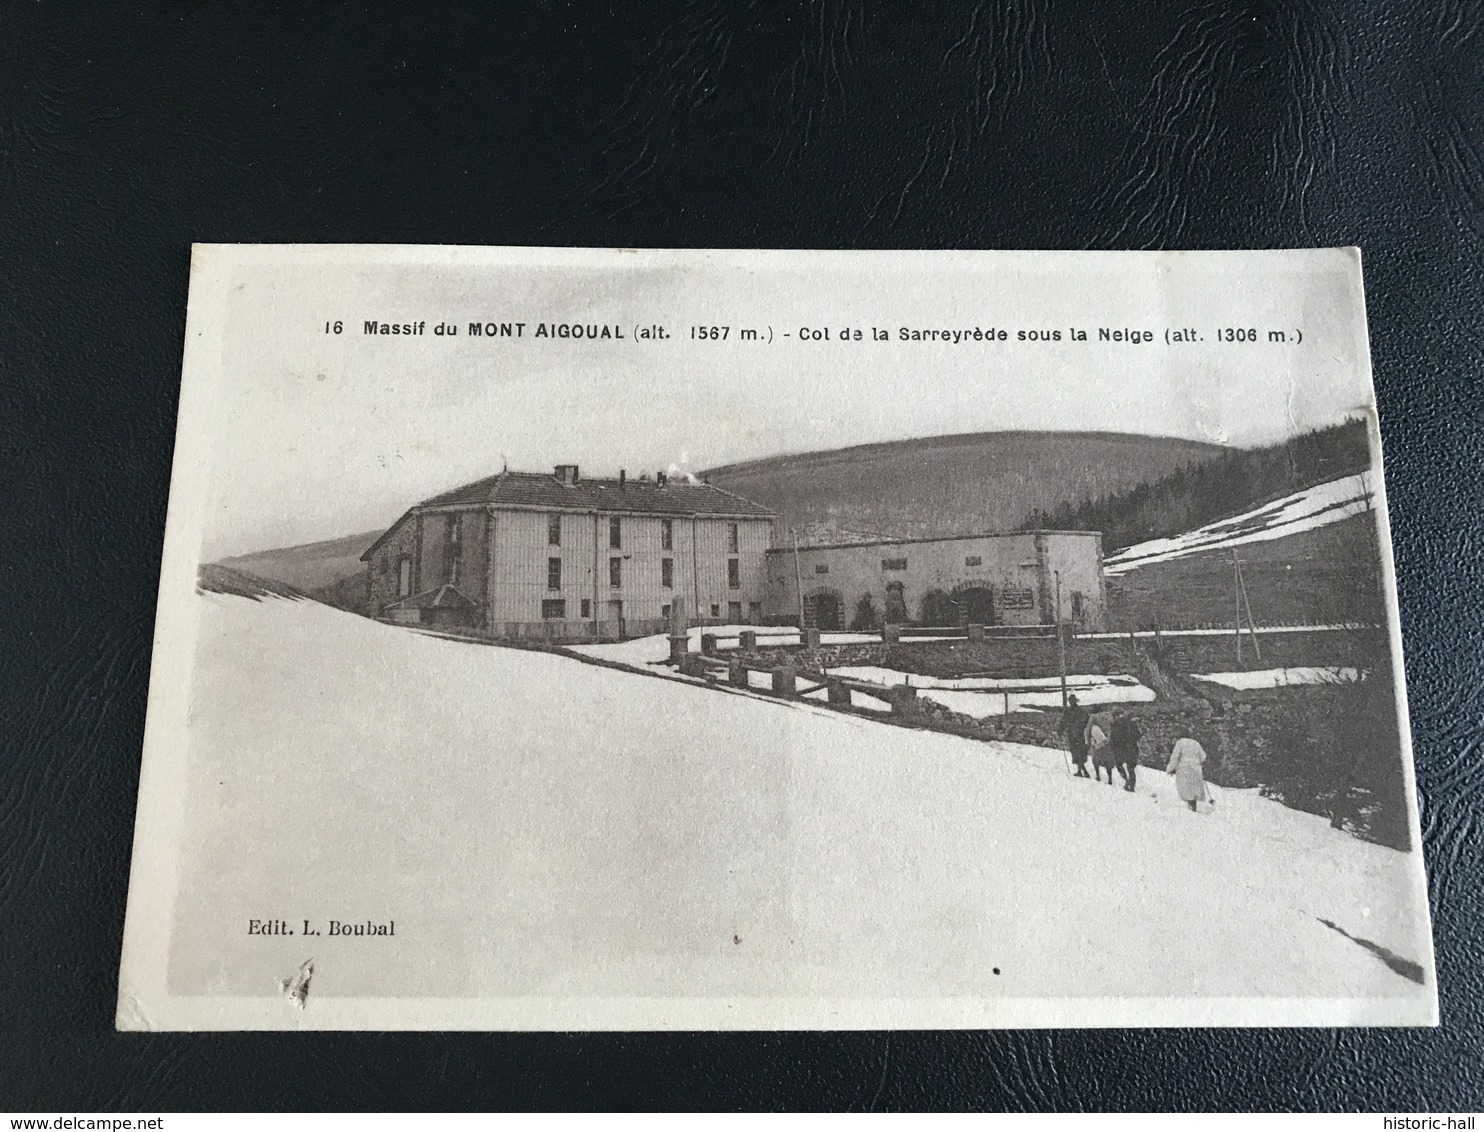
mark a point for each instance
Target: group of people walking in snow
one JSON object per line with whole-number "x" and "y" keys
{"x": 1111, "y": 741}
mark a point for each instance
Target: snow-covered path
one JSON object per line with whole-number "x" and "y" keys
{"x": 541, "y": 826}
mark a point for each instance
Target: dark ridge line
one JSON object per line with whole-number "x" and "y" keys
{"x": 951, "y": 440}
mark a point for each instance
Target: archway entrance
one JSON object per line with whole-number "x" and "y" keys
{"x": 976, "y": 605}
{"x": 826, "y": 610}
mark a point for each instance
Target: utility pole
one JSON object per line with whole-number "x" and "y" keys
{"x": 798, "y": 580}
{"x": 1247, "y": 605}
{"x": 1237, "y": 591}
{"x": 1061, "y": 644}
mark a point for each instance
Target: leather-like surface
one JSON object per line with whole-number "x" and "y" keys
{"x": 1203, "y": 123}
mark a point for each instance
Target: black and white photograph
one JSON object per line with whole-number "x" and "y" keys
{"x": 608, "y": 639}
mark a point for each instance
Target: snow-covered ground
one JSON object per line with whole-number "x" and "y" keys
{"x": 985, "y": 696}
{"x": 1280, "y": 677}
{"x": 1150, "y": 634}
{"x": 540, "y": 826}
{"x": 983, "y": 705}
{"x": 1305, "y": 510}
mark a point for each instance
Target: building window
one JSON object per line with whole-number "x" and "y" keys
{"x": 732, "y": 542}
{"x": 734, "y": 612}
{"x": 587, "y": 608}
{"x": 734, "y": 574}
{"x": 1078, "y": 609}
{"x": 615, "y": 534}
{"x": 382, "y": 566}
{"x": 667, "y": 573}
{"x": 404, "y": 576}
{"x": 455, "y": 527}
{"x": 665, "y": 612}
{"x": 453, "y": 562}
{"x": 615, "y": 573}
{"x": 553, "y": 609}
{"x": 715, "y": 609}
{"x": 667, "y": 534}
{"x": 974, "y": 560}
{"x": 553, "y": 530}
{"x": 893, "y": 563}
{"x": 553, "y": 573}
{"x": 821, "y": 568}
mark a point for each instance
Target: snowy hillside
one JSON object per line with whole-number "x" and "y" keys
{"x": 540, "y": 825}
{"x": 1303, "y": 511}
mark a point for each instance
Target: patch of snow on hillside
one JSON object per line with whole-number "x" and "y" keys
{"x": 1305, "y": 510}
{"x": 1280, "y": 677}
{"x": 540, "y": 826}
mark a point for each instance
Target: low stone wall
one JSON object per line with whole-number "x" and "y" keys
{"x": 1239, "y": 738}
{"x": 1028, "y": 657}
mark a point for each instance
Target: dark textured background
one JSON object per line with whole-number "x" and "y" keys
{"x": 1205, "y": 123}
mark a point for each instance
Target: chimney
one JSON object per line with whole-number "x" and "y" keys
{"x": 622, "y": 478}
{"x": 566, "y": 474}
{"x": 659, "y": 478}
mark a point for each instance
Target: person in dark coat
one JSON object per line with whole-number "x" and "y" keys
{"x": 1100, "y": 745}
{"x": 1125, "y": 739}
{"x": 1074, "y": 726}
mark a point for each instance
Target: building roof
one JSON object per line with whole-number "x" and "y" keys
{"x": 444, "y": 597}
{"x": 545, "y": 491}
{"x": 542, "y": 491}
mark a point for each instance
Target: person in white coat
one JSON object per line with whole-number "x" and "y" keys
{"x": 1186, "y": 761}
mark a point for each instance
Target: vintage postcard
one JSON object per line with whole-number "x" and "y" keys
{"x": 613, "y": 639}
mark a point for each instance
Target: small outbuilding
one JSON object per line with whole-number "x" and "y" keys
{"x": 1011, "y": 578}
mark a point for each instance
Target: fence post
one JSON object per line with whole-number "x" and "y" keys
{"x": 904, "y": 700}
{"x": 679, "y": 630}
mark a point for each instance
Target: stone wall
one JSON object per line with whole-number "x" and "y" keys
{"x": 1027, "y": 657}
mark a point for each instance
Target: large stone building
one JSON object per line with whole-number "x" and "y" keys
{"x": 560, "y": 557}
{"x": 990, "y": 579}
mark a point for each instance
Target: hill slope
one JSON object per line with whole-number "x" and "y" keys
{"x": 310, "y": 566}
{"x": 948, "y": 485}
{"x": 669, "y": 842}
{"x": 1235, "y": 480}
{"x": 1310, "y": 557}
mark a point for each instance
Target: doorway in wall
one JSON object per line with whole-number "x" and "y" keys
{"x": 828, "y": 614}
{"x": 976, "y": 605}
